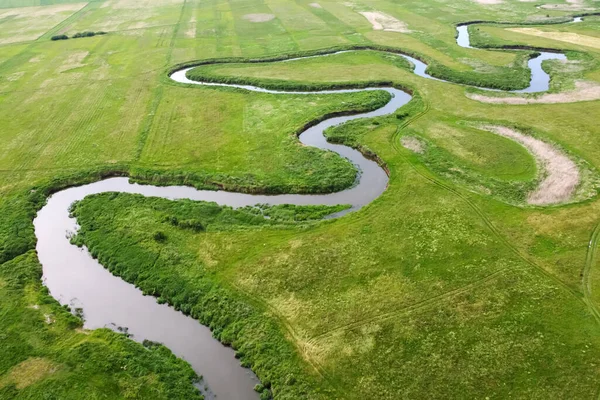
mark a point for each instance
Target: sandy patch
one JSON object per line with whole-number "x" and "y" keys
{"x": 584, "y": 91}
{"x": 568, "y": 37}
{"x": 560, "y": 173}
{"x": 29, "y": 372}
{"x": 413, "y": 144}
{"x": 488, "y": 2}
{"x": 384, "y": 22}
{"x": 258, "y": 17}
{"x": 315, "y": 5}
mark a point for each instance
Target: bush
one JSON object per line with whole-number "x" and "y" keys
{"x": 59, "y": 37}
{"x": 87, "y": 34}
{"x": 160, "y": 236}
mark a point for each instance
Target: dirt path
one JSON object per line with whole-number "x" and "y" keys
{"x": 560, "y": 173}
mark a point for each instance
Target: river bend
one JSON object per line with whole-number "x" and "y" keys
{"x": 75, "y": 278}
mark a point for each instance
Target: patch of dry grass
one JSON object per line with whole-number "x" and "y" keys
{"x": 584, "y": 91}
{"x": 29, "y": 372}
{"x": 560, "y": 173}
{"x": 259, "y": 17}
{"x": 384, "y": 22}
{"x": 568, "y": 37}
{"x": 412, "y": 143}
{"x": 29, "y": 23}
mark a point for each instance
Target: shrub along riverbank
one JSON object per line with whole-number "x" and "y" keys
{"x": 235, "y": 320}
{"x": 45, "y": 354}
{"x": 43, "y": 351}
{"x": 293, "y": 168}
{"x": 513, "y": 77}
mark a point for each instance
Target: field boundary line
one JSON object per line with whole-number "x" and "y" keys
{"x": 92, "y": 5}
{"x": 413, "y": 307}
{"x": 148, "y": 121}
{"x": 590, "y": 258}
{"x": 433, "y": 180}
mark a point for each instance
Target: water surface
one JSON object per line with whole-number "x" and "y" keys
{"x": 539, "y": 81}
{"x": 75, "y": 278}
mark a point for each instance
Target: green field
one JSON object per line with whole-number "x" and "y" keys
{"x": 449, "y": 285}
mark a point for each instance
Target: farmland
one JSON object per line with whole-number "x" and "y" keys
{"x": 454, "y": 283}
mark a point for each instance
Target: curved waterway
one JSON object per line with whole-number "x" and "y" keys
{"x": 540, "y": 80}
{"x": 75, "y": 278}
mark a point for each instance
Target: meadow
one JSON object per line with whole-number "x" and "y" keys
{"x": 450, "y": 285}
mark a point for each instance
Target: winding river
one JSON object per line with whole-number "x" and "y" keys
{"x": 75, "y": 278}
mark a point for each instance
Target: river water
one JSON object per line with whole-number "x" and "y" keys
{"x": 75, "y": 278}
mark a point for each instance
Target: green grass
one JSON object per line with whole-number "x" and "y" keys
{"x": 441, "y": 288}
{"x": 213, "y": 158}
{"x": 45, "y": 352}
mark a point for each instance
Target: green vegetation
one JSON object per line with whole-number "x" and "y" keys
{"x": 513, "y": 77}
{"x": 77, "y": 35}
{"x": 258, "y": 341}
{"x": 447, "y": 286}
{"x": 293, "y": 169}
{"x": 46, "y": 354}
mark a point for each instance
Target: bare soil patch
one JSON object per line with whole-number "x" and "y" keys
{"x": 259, "y": 17}
{"x": 560, "y": 173}
{"x": 384, "y": 22}
{"x": 568, "y": 37}
{"x": 315, "y": 5}
{"x": 584, "y": 91}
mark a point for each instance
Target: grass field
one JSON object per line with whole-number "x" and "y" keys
{"x": 447, "y": 286}
{"x": 45, "y": 353}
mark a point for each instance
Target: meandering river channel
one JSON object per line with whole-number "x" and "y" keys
{"x": 75, "y": 278}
